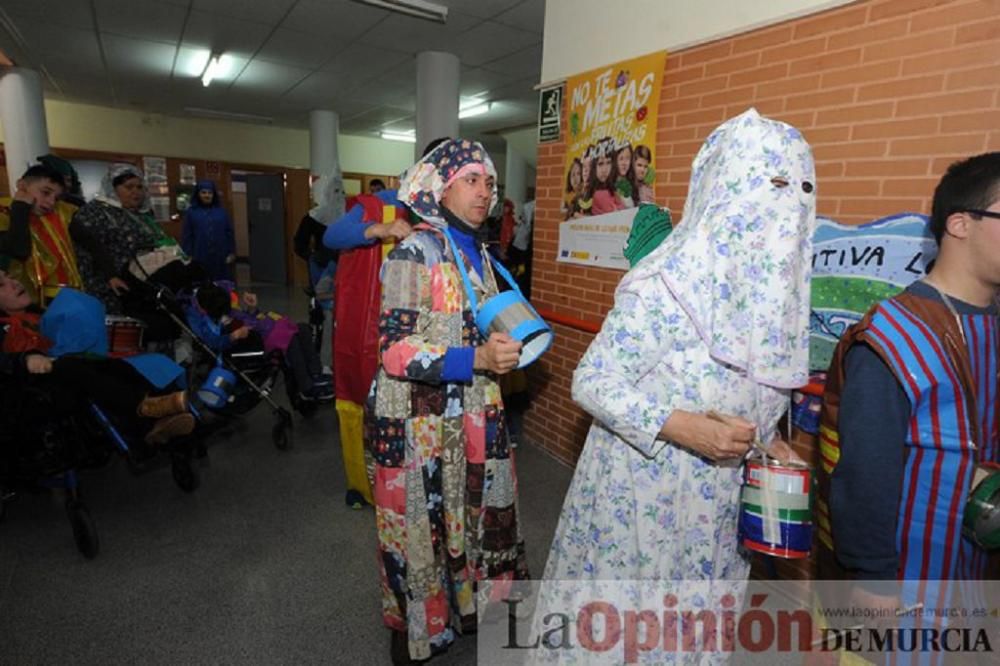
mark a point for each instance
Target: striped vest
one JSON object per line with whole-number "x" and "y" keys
{"x": 952, "y": 387}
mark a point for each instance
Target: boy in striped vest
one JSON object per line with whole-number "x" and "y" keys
{"x": 911, "y": 406}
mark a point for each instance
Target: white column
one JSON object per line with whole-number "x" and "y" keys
{"x": 324, "y": 128}
{"x": 22, "y": 114}
{"x": 437, "y": 97}
{"x": 515, "y": 180}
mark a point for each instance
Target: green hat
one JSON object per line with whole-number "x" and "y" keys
{"x": 650, "y": 226}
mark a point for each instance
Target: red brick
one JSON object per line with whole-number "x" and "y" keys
{"x": 847, "y": 188}
{"x": 791, "y": 86}
{"x": 908, "y": 187}
{"x": 949, "y": 60}
{"x": 760, "y": 39}
{"x": 955, "y": 13}
{"x": 706, "y": 85}
{"x": 960, "y": 144}
{"x": 886, "y": 168}
{"x": 869, "y": 34}
{"x": 980, "y": 77}
{"x": 896, "y": 128}
{"x": 856, "y": 75}
{"x": 766, "y": 107}
{"x": 828, "y": 135}
{"x": 875, "y": 207}
{"x": 706, "y": 53}
{"x": 733, "y": 64}
{"x": 684, "y": 75}
{"x": 912, "y": 87}
{"x": 937, "y": 104}
{"x": 759, "y": 74}
{"x": 967, "y": 122}
{"x": 793, "y": 51}
{"x": 708, "y": 115}
{"x": 824, "y": 98}
{"x": 832, "y": 21}
{"x": 826, "y": 61}
{"x": 742, "y": 95}
{"x": 979, "y": 32}
{"x": 827, "y": 169}
{"x": 855, "y": 113}
{"x": 889, "y": 8}
{"x": 908, "y": 46}
{"x": 850, "y": 150}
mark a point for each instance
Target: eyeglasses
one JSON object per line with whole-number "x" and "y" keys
{"x": 983, "y": 213}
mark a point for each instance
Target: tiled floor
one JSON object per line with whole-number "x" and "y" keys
{"x": 263, "y": 564}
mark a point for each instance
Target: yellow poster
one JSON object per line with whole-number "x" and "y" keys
{"x": 610, "y": 161}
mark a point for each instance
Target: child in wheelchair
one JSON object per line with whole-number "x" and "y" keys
{"x": 226, "y": 323}
{"x": 77, "y": 381}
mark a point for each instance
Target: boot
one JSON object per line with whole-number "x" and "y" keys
{"x": 170, "y": 427}
{"x": 164, "y": 405}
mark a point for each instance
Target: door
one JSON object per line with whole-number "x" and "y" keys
{"x": 266, "y": 221}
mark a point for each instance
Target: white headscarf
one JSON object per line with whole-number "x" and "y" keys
{"x": 740, "y": 259}
{"x": 328, "y": 195}
{"x": 108, "y": 194}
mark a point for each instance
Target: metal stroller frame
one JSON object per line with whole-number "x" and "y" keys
{"x": 281, "y": 431}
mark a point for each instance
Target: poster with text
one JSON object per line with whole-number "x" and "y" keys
{"x": 611, "y": 139}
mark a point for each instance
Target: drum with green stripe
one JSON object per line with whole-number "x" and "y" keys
{"x": 776, "y": 508}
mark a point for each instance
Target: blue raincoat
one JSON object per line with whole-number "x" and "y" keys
{"x": 207, "y": 236}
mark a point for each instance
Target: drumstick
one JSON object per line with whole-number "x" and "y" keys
{"x": 719, "y": 418}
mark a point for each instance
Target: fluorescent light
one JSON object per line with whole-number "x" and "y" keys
{"x": 417, "y": 8}
{"x": 477, "y": 110}
{"x": 398, "y": 136}
{"x": 228, "y": 115}
{"x": 212, "y": 70}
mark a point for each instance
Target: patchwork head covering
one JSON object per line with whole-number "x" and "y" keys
{"x": 108, "y": 194}
{"x": 739, "y": 261}
{"x": 328, "y": 195}
{"x": 422, "y": 185}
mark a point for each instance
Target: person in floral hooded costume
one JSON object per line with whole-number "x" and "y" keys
{"x": 441, "y": 468}
{"x": 716, "y": 318}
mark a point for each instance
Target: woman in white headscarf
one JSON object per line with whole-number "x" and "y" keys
{"x": 111, "y": 231}
{"x": 716, "y": 318}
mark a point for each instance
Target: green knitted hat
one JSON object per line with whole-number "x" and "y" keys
{"x": 650, "y": 226}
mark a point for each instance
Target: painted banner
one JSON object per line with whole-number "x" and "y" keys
{"x": 855, "y": 266}
{"x": 611, "y": 138}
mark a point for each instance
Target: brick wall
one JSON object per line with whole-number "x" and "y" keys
{"x": 888, "y": 92}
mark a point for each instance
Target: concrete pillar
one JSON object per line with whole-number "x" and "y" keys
{"x": 515, "y": 178}
{"x": 22, "y": 114}
{"x": 324, "y": 128}
{"x": 437, "y": 97}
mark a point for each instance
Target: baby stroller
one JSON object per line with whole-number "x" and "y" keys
{"x": 234, "y": 382}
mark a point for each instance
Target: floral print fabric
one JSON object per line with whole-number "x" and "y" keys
{"x": 640, "y": 508}
{"x": 422, "y": 185}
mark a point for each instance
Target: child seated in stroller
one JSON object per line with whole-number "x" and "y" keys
{"x": 114, "y": 385}
{"x": 215, "y": 315}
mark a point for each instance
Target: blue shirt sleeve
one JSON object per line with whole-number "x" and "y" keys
{"x": 348, "y": 232}
{"x": 208, "y": 331}
{"x": 458, "y": 364}
{"x": 867, "y": 482}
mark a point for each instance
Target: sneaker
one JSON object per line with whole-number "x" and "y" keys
{"x": 355, "y": 500}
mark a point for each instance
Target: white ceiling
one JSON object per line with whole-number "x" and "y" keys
{"x": 284, "y": 57}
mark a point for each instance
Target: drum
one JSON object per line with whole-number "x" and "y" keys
{"x": 981, "y": 521}
{"x": 218, "y": 386}
{"x": 776, "y": 508}
{"x": 124, "y": 335}
{"x": 508, "y": 312}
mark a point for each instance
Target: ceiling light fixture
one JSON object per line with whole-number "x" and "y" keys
{"x": 229, "y": 115}
{"x": 212, "y": 69}
{"x": 408, "y": 137}
{"x": 477, "y": 110}
{"x": 418, "y": 8}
